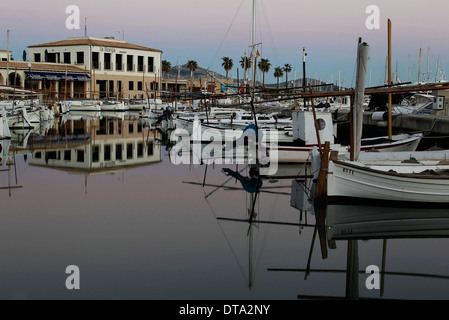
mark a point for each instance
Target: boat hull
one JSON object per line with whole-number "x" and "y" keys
{"x": 349, "y": 181}
{"x": 301, "y": 154}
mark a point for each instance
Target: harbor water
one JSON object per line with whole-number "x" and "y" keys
{"x": 104, "y": 195}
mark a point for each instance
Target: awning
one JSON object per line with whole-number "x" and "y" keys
{"x": 57, "y": 76}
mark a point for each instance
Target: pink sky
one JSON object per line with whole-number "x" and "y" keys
{"x": 194, "y": 30}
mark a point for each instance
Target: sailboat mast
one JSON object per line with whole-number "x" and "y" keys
{"x": 390, "y": 97}
{"x": 253, "y": 52}
{"x": 7, "y": 63}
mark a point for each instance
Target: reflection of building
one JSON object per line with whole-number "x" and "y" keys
{"x": 110, "y": 145}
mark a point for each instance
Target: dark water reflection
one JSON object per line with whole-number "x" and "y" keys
{"x": 103, "y": 195}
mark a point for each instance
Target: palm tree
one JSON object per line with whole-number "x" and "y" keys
{"x": 278, "y": 73}
{"x": 193, "y": 65}
{"x": 166, "y": 67}
{"x": 287, "y": 69}
{"x": 245, "y": 62}
{"x": 227, "y": 65}
{"x": 264, "y": 66}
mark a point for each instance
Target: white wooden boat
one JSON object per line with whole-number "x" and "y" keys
{"x": 407, "y": 178}
{"x": 214, "y": 132}
{"x": 419, "y": 178}
{"x": 305, "y": 138}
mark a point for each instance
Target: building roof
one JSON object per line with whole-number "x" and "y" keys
{"x": 106, "y": 42}
{"x": 47, "y": 66}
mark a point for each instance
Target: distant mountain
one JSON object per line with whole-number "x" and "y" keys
{"x": 184, "y": 72}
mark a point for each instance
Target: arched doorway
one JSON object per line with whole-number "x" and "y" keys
{"x": 15, "y": 79}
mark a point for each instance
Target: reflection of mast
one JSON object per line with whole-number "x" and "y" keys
{"x": 434, "y": 226}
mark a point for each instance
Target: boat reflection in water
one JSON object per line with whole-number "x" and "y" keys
{"x": 354, "y": 225}
{"x": 98, "y": 146}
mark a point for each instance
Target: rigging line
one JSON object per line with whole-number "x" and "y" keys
{"x": 265, "y": 237}
{"x": 222, "y": 231}
{"x": 229, "y": 28}
{"x": 270, "y": 35}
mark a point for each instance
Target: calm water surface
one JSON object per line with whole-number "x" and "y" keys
{"x": 144, "y": 228}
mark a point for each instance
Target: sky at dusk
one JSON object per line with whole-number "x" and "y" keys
{"x": 207, "y": 30}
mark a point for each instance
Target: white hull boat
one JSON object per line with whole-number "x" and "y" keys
{"x": 209, "y": 132}
{"x": 301, "y": 154}
{"x": 406, "y": 178}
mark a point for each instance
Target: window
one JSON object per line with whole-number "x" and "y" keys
{"x": 150, "y": 149}
{"x": 118, "y": 62}
{"x": 80, "y": 156}
{"x": 118, "y": 151}
{"x": 38, "y": 155}
{"x": 131, "y": 86}
{"x": 129, "y": 63}
{"x": 131, "y": 128}
{"x": 129, "y": 151}
{"x": 140, "y": 63}
{"x": 68, "y": 155}
{"x": 107, "y": 61}
{"x": 95, "y": 60}
{"x": 150, "y": 64}
{"x": 140, "y": 150}
{"x": 111, "y": 127}
{"x": 37, "y": 57}
{"x": 80, "y": 57}
{"x": 107, "y": 152}
{"x": 139, "y": 85}
{"x": 96, "y": 154}
{"x": 67, "y": 58}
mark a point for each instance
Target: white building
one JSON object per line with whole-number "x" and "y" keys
{"x": 117, "y": 68}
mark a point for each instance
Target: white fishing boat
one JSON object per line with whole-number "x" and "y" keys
{"x": 215, "y": 132}
{"x": 405, "y": 178}
{"x": 305, "y": 138}
{"x": 408, "y": 178}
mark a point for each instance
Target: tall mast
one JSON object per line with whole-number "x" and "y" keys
{"x": 390, "y": 97}
{"x": 253, "y": 54}
{"x": 7, "y": 63}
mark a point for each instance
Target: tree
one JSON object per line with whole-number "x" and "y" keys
{"x": 193, "y": 65}
{"x": 24, "y": 55}
{"x": 245, "y": 63}
{"x": 264, "y": 66}
{"x": 287, "y": 69}
{"x": 278, "y": 73}
{"x": 166, "y": 67}
{"x": 227, "y": 65}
